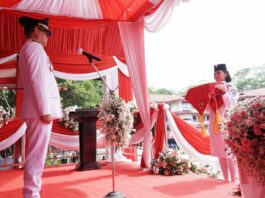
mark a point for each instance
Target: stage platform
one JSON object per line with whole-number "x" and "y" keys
{"x": 66, "y": 182}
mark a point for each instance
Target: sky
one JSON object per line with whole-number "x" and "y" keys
{"x": 202, "y": 33}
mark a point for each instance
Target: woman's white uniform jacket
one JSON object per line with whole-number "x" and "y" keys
{"x": 217, "y": 138}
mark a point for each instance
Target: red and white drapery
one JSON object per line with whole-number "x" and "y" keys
{"x": 189, "y": 139}
{"x": 111, "y": 74}
{"x": 75, "y": 24}
{"x": 187, "y": 142}
{"x": 60, "y": 137}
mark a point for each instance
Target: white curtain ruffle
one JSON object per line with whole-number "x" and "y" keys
{"x": 86, "y": 76}
{"x": 68, "y": 142}
{"x": 157, "y": 20}
{"x": 8, "y": 58}
{"x": 139, "y": 135}
{"x": 13, "y": 138}
{"x": 187, "y": 148}
{"x": 7, "y": 73}
{"x": 77, "y": 8}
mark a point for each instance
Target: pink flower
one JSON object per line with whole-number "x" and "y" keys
{"x": 256, "y": 113}
{"x": 249, "y": 123}
{"x": 256, "y": 105}
{"x": 257, "y": 130}
{"x": 244, "y": 114}
{"x": 167, "y": 172}
{"x": 248, "y": 144}
{"x": 261, "y": 150}
{"x": 262, "y": 126}
{"x": 238, "y": 117}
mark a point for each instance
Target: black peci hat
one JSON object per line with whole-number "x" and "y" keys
{"x": 28, "y": 23}
{"x": 223, "y": 68}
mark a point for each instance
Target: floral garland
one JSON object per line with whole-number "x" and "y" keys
{"x": 171, "y": 162}
{"x": 5, "y": 116}
{"x": 66, "y": 121}
{"x": 117, "y": 120}
{"x": 246, "y": 136}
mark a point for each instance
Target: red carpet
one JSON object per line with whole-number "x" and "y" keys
{"x": 65, "y": 182}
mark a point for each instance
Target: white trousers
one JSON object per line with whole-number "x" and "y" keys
{"x": 37, "y": 140}
{"x": 228, "y": 168}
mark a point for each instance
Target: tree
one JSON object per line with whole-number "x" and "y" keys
{"x": 162, "y": 91}
{"x": 8, "y": 100}
{"x": 84, "y": 94}
{"x": 250, "y": 78}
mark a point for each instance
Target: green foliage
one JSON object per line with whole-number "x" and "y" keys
{"x": 250, "y": 78}
{"x": 161, "y": 91}
{"x": 8, "y": 100}
{"x": 84, "y": 94}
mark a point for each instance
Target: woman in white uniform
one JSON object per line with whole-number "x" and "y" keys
{"x": 230, "y": 97}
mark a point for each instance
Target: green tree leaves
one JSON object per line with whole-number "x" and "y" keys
{"x": 250, "y": 78}
{"x": 84, "y": 94}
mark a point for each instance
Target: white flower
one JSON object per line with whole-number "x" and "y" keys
{"x": 117, "y": 119}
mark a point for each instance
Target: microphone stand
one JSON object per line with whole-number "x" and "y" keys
{"x": 113, "y": 194}
{"x": 90, "y": 59}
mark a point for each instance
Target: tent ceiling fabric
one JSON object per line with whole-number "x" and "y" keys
{"x": 117, "y": 10}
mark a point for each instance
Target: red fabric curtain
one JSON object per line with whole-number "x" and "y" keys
{"x": 57, "y": 128}
{"x": 8, "y": 81}
{"x": 130, "y": 10}
{"x": 125, "y": 87}
{"x": 160, "y": 131}
{"x": 8, "y": 3}
{"x": 10, "y": 128}
{"x": 193, "y": 136}
{"x": 68, "y": 34}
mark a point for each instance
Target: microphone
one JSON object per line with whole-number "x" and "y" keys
{"x": 90, "y": 57}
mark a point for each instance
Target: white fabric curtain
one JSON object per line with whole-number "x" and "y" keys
{"x": 122, "y": 67}
{"x": 67, "y": 142}
{"x": 161, "y": 16}
{"x": 70, "y": 142}
{"x": 187, "y": 148}
{"x": 140, "y": 134}
{"x": 86, "y": 76}
{"x": 112, "y": 80}
{"x": 8, "y": 58}
{"x": 132, "y": 36}
{"x": 13, "y": 138}
{"x": 7, "y": 73}
{"x": 77, "y": 8}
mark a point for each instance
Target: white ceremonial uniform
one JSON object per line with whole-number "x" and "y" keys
{"x": 217, "y": 139}
{"x": 41, "y": 97}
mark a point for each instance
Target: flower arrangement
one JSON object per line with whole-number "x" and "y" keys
{"x": 170, "y": 163}
{"x": 66, "y": 121}
{"x": 246, "y": 136}
{"x": 173, "y": 162}
{"x": 5, "y": 116}
{"x": 117, "y": 120}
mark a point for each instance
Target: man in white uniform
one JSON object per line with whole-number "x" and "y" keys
{"x": 41, "y": 102}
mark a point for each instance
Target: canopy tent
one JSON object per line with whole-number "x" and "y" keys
{"x": 102, "y": 28}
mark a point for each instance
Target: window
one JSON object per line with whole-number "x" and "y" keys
{"x": 186, "y": 106}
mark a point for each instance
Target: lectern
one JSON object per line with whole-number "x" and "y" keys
{"x": 87, "y": 138}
